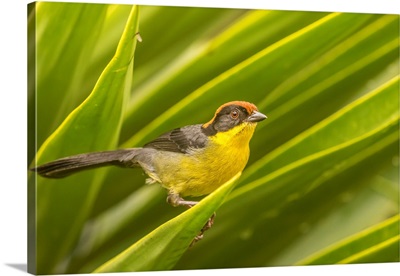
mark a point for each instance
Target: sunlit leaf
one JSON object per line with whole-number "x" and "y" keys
{"x": 327, "y": 156}
{"x": 376, "y": 244}
{"x": 162, "y": 248}
{"x": 63, "y": 205}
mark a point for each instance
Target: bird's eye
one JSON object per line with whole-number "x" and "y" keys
{"x": 234, "y": 114}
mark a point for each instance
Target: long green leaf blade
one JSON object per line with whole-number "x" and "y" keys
{"x": 343, "y": 68}
{"x": 323, "y": 167}
{"x": 189, "y": 69}
{"x": 94, "y": 125}
{"x": 229, "y": 84}
{"x": 162, "y": 248}
{"x": 360, "y": 247}
{"x": 274, "y": 191}
{"x": 66, "y": 34}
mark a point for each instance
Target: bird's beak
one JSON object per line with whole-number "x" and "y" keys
{"x": 256, "y": 117}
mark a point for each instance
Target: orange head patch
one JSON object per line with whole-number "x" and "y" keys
{"x": 248, "y": 106}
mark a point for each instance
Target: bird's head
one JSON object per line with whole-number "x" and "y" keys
{"x": 233, "y": 118}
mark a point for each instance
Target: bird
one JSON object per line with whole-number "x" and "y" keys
{"x": 189, "y": 161}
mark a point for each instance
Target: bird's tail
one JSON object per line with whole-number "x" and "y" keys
{"x": 69, "y": 165}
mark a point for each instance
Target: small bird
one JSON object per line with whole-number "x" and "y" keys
{"x": 192, "y": 160}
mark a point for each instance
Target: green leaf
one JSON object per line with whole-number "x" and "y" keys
{"x": 340, "y": 73}
{"x": 229, "y": 85}
{"x": 108, "y": 224}
{"x": 63, "y": 205}
{"x": 189, "y": 68}
{"x": 349, "y": 123}
{"x": 379, "y": 243}
{"x": 63, "y": 48}
{"x": 162, "y": 248}
{"x": 327, "y": 156}
{"x": 283, "y": 180}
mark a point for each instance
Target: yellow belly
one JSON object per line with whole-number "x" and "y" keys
{"x": 204, "y": 170}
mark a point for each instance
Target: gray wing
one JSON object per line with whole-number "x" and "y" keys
{"x": 180, "y": 140}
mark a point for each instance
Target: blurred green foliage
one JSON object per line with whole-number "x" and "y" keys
{"x": 323, "y": 166}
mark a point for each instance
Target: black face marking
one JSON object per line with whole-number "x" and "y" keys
{"x": 227, "y": 118}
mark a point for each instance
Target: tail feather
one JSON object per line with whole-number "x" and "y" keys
{"x": 68, "y": 165}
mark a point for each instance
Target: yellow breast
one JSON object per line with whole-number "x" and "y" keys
{"x": 204, "y": 170}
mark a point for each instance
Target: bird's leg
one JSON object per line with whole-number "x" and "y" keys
{"x": 175, "y": 200}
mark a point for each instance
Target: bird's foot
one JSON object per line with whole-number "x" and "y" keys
{"x": 175, "y": 200}
{"x": 207, "y": 226}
